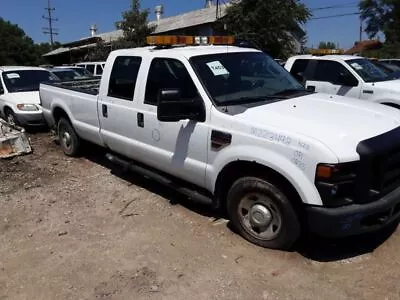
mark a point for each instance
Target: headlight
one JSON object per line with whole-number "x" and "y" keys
{"x": 336, "y": 183}
{"x": 27, "y": 107}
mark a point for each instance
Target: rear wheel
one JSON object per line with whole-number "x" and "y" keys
{"x": 262, "y": 213}
{"x": 10, "y": 117}
{"x": 68, "y": 138}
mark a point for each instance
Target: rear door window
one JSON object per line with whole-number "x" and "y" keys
{"x": 123, "y": 77}
{"x": 329, "y": 71}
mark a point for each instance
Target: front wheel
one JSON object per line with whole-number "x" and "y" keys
{"x": 11, "y": 118}
{"x": 68, "y": 138}
{"x": 262, "y": 214}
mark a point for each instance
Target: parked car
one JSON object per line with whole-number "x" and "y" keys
{"x": 96, "y": 68}
{"x": 392, "y": 71}
{"x": 345, "y": 75}
{"x": 392, "y": 61}
{"x": 228, "y": 125}
{"x": 19, "y": 94}
{"x": 80, "y": 70}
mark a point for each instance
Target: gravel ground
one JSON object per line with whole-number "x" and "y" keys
{"x": 79, "y": 229}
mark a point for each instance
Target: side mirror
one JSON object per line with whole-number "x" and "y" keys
{"x": 347, "y": 80}
{"x": 300, "y": 78}
{"x": 172, "y": 108}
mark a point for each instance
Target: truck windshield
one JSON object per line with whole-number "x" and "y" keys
{"x": 367, "y": 70}
{"x": 25, "y": 80}
{"x": 245, "y": 77}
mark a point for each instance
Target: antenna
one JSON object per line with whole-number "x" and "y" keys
{"x": 50, "y": 30}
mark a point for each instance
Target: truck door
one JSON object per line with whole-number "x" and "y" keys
{"x": 178, "y": 148}
{"x": 333, "y": 78}
{"x": 117, "y": 108}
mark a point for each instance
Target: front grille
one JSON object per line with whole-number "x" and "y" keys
{"x": 379, "y": 172}
{"x": 387, "y": 175}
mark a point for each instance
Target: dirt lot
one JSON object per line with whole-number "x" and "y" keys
{"x": 77, "y": 229}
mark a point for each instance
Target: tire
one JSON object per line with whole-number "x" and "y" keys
{"x": 262, "y": 214}
{"x": 10, "y": 117}
{"x": 69, "y": 140}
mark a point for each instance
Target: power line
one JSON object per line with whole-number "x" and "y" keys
{"x": 335, "y": 16}
{"x": 50, "y": 30}
{"x": 345, "y": 5}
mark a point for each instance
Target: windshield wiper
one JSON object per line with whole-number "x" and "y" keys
{"x": 246, "y": 100}
{"x": 289, "y": 92}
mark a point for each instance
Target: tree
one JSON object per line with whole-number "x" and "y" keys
{"x": 327, "y": 45}
{"x": 267, "y": 24}
{"x": 382, "y": 16}
{"x": 135, "y": 27}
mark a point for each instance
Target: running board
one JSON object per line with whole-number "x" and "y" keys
{"x": 191, "y": 193}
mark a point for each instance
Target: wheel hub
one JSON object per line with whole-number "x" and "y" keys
{"x": 67, "y": 139}
{"x": 260, "y": 216}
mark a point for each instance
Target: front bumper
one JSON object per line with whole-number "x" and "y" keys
{"x": 31, "y": 119}
{"x": 356, "y": 218}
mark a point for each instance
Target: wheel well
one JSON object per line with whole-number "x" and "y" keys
{"x": 59, "y": 113}
{"x": 235, "y": 170}
{"x": 391, "y": 105}
{"x": 5, "y": 109}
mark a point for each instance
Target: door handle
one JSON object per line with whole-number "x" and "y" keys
{"x": 104, "y": 110}
{"x": 311, "y": 88}
{"x": 140, "y": 120}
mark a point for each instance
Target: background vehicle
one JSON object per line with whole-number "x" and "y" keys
{"x": 229, "y": 125}
{"x": 392, "y": 71}
{"x": 19, "y": 94}
{"x": 65, "y": 74}
{"x": 96, "y": 68}
{"x": 345, "y": 75}
{"x": 80, "y": 70}
{"x": 393, "y": 61}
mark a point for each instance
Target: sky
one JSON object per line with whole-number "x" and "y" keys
{"x": 76, "y": 16}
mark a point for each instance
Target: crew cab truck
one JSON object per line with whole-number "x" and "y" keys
{"x": 230, "y": 125}
{"x": 19, "y": 94}
{"x": 345, "y": 75}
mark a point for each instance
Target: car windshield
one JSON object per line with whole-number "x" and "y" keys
{"x": 367, "y": 70}
{"x": 26, "y": 80}
{"x": 66, "y": 74}
{"x": 83, "y": 72}
{"x": 245, "y": 77}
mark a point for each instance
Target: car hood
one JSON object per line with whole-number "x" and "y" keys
{"x": 339, "y": 123}
{"x": 23, "y": 97}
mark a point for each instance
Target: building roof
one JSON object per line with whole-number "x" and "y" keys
{"x": 364, "y": 45}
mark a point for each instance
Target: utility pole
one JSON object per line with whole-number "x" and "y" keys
{"x": 49, "y": 17}
{"x": 361, "y": 29}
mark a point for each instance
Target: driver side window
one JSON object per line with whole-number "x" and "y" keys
{"x": 330, "y": 71}
{"x": 166, "y": 73}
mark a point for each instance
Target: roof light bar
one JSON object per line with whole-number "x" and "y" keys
{"x": 170, "y": 40}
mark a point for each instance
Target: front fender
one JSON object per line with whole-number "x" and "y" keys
{"x": 273, "y": 160}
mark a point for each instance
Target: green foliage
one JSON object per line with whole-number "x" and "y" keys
{"x": 383, "y": 16}
{"x": 267, "y": 24}
{"x": 19, "y": 49}
{"x": 135, "y": 27}
{"x": 327, "y": 45}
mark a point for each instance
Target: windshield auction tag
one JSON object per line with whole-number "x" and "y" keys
{"x": 217, "y": 68}
{"x": 13, "y": 76}
{"x": 356, "y": 66}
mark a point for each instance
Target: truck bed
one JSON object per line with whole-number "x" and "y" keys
{"x": 87, "y": 86}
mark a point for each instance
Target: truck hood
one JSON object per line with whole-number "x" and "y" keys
{"x": 22, "y": 97}
{"x": 339, "y": 123}
{"x": 385, "y": 86}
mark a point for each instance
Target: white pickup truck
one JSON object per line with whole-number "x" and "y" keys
{"x": 230, "y": 125}
{"x": 345, "y": 75}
